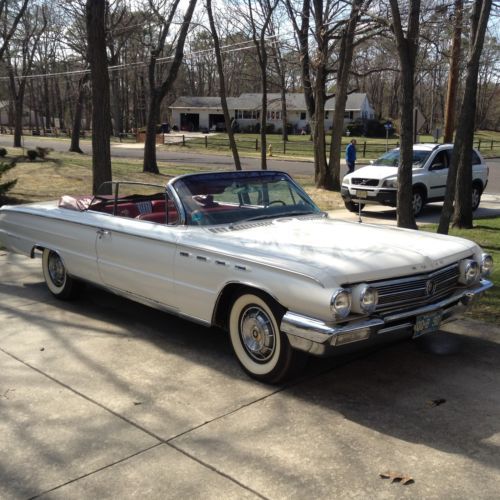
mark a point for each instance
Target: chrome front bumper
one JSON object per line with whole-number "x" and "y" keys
{"x": 319, "y": 338}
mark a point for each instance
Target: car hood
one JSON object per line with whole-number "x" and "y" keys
{"x": 337, "y": 252}
{"x": 375, "y": 172}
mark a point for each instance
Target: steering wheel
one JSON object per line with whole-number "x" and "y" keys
{"x": 274, "y": 202}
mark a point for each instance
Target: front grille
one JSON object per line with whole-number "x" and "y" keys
{"x": 364, "y": 182}
{"x": 416, "y": 290}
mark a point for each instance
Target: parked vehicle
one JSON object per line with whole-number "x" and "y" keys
{"x": 377, "y": 183}
{"x": 249, "y": 251}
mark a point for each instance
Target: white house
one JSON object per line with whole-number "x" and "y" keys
{"x": 205, "y": 113}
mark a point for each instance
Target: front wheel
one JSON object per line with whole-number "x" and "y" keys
{"x": 353, "y": 207}
{"x": 476, "y": 196}
{"x": 418, "y": 202}
{"x": 57, "y": 280}
{"x": 262, "y": 350}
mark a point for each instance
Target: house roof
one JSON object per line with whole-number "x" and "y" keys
{"x": 294, "y": 101}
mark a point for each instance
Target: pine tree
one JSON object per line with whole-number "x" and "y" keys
{"x": 6, "y": 186}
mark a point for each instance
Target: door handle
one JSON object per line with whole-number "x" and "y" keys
{"x": 103, "y": 232}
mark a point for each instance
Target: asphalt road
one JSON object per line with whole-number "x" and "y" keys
{"x": 127, "y": 150}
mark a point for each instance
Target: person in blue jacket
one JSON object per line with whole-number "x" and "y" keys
{"x": 350, "y": 156}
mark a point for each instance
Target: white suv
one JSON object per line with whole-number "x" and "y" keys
{"x": 377, "y": 183}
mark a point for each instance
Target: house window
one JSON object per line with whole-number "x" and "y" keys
{"x": 349, "y": 115}
{"x": 303, "y": 115}
{"x": 327, "y": 113}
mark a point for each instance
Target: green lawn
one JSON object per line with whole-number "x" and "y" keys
{"x": 486, "y": 233}
{"x": 300, "y": 146}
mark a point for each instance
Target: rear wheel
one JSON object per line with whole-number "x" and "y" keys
{"x": 353, "y": 207}
{"x": 57, "y": 280}
{"x": 476, "y": 196}
{"x": 418, "y": 202}
{"x": 262, "y": 350}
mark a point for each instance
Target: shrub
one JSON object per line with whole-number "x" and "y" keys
{"x": 4, "y": 167}
{"x": 3, "y": 152}
{"x": 32, "y": 154}
{"x": 43, "y": 152}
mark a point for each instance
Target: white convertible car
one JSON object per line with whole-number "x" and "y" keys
{"x": 250, "y": 252}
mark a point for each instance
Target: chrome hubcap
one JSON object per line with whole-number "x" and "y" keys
{"x": 56, "y": 269}
{"x": 257, "y": 334}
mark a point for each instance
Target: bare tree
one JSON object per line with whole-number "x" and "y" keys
{"x": 101, "y": 117}
{"x": 11, "y": 12}
{"x": 158, "y": 92}
{"x": 222, "y": 86}
{"x": 451, "y": 96}
{"x": 407, "y": 45}
{"x": 20, "y": 54}
{"x": 344, "y": 65}
{"x": 459, "y": 180}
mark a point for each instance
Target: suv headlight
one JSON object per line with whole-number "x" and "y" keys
{"x": 346, "y": 180}
{"x": 340, "y": 303}
{"x": 486, "y": 264}
{"x": 364, "y": 299}
{"x": 469, "y": 271}
{"x": 390, "y": 183}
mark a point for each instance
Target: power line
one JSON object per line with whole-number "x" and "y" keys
{"x": 225, "y": 50}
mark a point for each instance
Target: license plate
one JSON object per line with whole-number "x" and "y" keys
{"x": 362, "y": 194}
{"x": 427, "y": 323}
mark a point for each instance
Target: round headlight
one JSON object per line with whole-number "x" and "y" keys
{"x": 364, "y": 299}
{"x": 340, "y": 303}
{"x": 486, "y": 264}
{"x": 469, "y": 271}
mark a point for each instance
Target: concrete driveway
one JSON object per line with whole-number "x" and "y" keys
{"x": 105, "y": 398}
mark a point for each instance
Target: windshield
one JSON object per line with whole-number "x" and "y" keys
{"x": 391, "y": 159}
{"x": 221, "y": 198}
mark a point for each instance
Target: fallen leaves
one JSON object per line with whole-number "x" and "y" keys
{"x": 396, "y": 477}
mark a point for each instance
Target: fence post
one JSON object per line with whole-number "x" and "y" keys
{"x": 479, "y": 144}
{"x": 206, "y": 142}
{"x": 256, "y": 144}
{"x": 284, "y": 147}
{"x": 491, "y": 144}
{"x": 364, "y": 149}
{"x": 183, "y": 140}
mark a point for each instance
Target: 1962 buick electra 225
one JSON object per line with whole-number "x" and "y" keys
{"x": 250, "y": 252}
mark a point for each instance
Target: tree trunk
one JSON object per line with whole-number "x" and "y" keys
{"x": 407, "y": 51}
{"x": 18, "y": 121}
{"x": 451, "y": 95}
{"x": 222, "y": 87}
{"x": 158, "y": 93}
{"x": 77, "y": 121}
{"x": 459, "y": 180}
{"x": 345, "y": 61}
{"x": 101, "y": 118}
{"x": 150, "y": 164}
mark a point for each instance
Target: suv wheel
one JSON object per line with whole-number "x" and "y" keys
{"x": 353, "y": 207}
{"x": 476, "y": 196}
{"x": 418, "y": 202}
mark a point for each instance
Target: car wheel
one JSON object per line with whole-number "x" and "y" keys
{"x": 476, "y": 196}
{"x": 353, "y": 207}
{"x": 418, "y": 202}
{"x": 261, "y": 349}
{"x": 57, "y": 280}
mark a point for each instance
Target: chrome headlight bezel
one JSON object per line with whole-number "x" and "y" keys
{"x": 340, "y": 303}
{"x": 364, "y": 299}
{"x": 486, "y": 265}
{"x": 469, "y": 272}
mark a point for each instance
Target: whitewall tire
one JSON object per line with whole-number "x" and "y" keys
{"x": 56, "y": 277}
{"x": 261, "y": 349}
